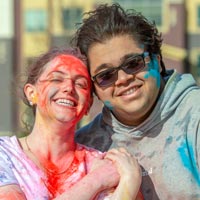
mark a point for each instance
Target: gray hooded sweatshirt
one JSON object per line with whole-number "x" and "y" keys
{"x": 166, "y": 144}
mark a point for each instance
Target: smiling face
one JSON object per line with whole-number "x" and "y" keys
{"x": 132, "y": 96}
{"x": 62, "y": 90}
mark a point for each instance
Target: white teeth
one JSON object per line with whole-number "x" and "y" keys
{"x": 132, "y": 90}
{"x": 65, "y": 102}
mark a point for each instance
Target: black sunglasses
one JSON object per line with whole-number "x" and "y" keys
{"x": 131, "y": 65}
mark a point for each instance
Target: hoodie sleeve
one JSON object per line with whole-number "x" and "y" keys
{"x": 96, "y": 134}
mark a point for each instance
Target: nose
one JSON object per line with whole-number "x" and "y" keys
{"x": 68, "y": 86}
{"x": 123, "y": 77}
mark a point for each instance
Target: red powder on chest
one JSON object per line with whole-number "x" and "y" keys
{"x": 56, "y": 181}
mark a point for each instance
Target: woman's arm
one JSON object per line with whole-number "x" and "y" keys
{"x": 11, "y": 192}
{"x": 103, "y": 175}
{"x": 130, "y": 175}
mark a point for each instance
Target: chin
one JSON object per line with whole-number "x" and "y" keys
{"x": 65, "y": 119}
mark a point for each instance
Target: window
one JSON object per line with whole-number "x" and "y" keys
{"x": 151, "y": 9}
{"x": 36, "y": 20}
{"x": 198, "y": 67}
{"x": 198, "y": 16}
{"x": 71, "y": 16}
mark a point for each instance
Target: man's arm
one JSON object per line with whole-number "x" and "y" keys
{"x": 96, "y": 134}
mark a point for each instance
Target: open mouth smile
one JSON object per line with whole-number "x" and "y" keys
{"x": 66, "y": 102}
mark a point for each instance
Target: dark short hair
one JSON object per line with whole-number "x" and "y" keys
{"x": 107, "y": 21}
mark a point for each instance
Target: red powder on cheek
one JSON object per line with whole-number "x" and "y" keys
{"x": 42, "y": 92}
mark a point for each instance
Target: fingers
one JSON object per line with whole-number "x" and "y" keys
{"x": 117, "y": 154}
{"x": 105, "y": 172}
{"x": 125, "y": 162}
{"x": 98, "y": 162}
{"x": 120, "y": 150}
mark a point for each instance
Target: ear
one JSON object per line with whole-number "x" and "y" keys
{"x": 160, "y": 68}
{"x": 31, "y": 94}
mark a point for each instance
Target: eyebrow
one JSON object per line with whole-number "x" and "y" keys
{"x": 54, "y": 72}
{"x": 63, "y": 74}
{"x": 106, "y": 65}
{"x": 102, "y": 66}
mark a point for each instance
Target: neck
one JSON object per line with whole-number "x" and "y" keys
{"x": 53, "y": 146}
{"x": 51, "y": 139}
{"x": 57, "y": 167}
{"x": 55, "y": 140}
{"x": 58, "y": 127}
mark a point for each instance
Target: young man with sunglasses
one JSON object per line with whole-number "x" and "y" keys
{"x": 151, "y": 111}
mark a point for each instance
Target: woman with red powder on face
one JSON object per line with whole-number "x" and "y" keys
{"x": 48, "y": 164}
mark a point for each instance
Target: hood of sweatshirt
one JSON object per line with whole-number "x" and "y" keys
{"x": 176, "y": 88}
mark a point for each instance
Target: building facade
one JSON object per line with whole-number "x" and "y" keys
{"x": 35, "y": 26}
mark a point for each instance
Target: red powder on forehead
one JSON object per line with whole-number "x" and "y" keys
{"x": 70, "y": 60}
{"x": 72, "y": 63}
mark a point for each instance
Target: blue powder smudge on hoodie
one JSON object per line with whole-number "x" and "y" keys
{"x": 188, "y": 160}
